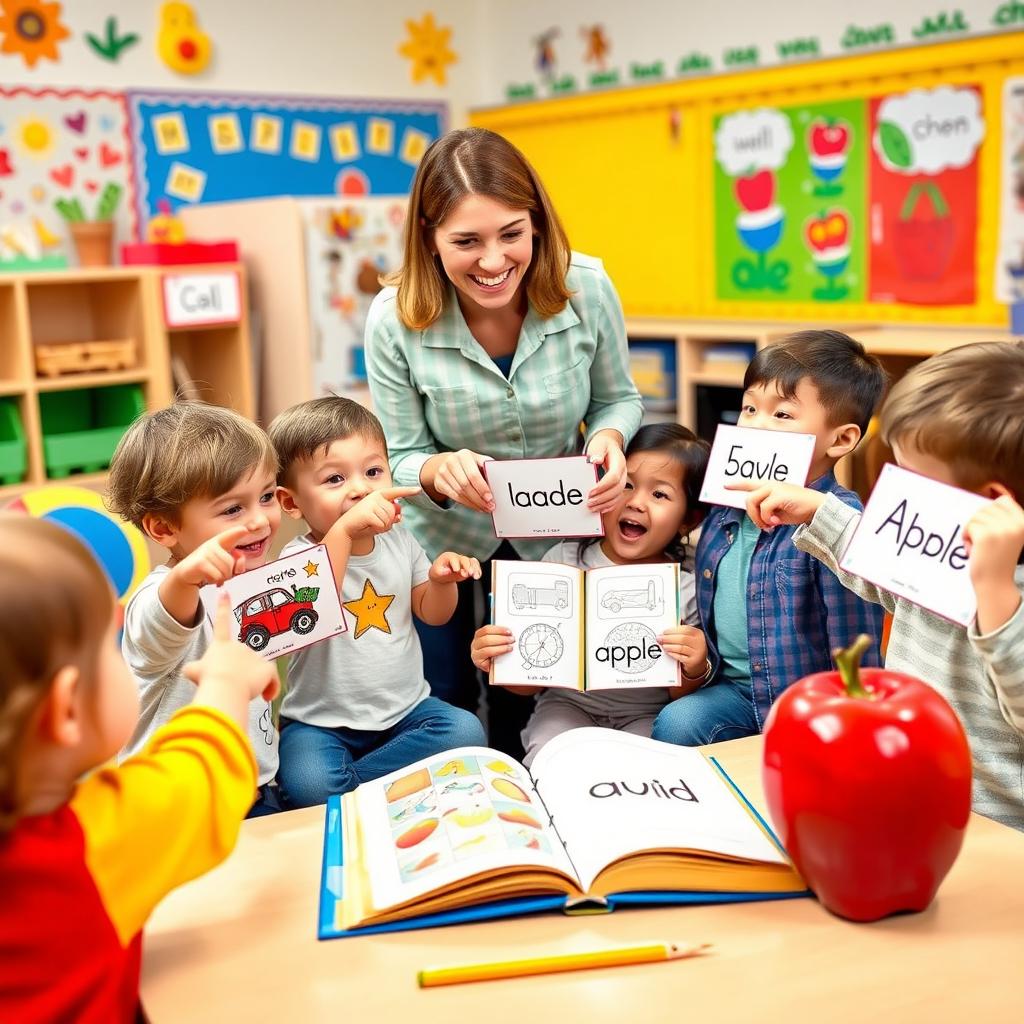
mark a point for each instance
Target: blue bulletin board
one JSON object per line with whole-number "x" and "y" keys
{"x": 206, "y": 148}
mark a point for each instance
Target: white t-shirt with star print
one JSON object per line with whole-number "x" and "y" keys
{"x": 370, "y": 676}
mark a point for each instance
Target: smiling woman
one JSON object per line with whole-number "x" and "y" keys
{"x": 494, "y": 340}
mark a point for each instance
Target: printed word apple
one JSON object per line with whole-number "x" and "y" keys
{"x": 625, "y": 655}
{"x": 930, "y": 545}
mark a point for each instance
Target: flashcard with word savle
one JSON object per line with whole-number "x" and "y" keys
{"x": 543, "y": 497}
{"x": 745, "y": 453}
{"x": 285, "y": 605}
{"x": 910, "y": 542}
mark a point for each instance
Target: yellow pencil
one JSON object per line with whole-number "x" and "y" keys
{"x": 619, "y": 957}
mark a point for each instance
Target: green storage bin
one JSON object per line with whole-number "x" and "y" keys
{"x": 13, "y": 450}
{"x": 81, "y": 428}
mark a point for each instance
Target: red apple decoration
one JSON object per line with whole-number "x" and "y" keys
{"x": 755, "y": 192}
{"x": 829, "y": 138}
{"x": 827, "y": 230}
{"x": 867, "y": 776}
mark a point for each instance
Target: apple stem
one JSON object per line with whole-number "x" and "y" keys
{"x": 848, "y": 662}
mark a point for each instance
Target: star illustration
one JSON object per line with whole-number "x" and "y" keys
{"x": 312, "y": 568}
{"x": 427, "y": 48}
{"x": 369, "y": 610}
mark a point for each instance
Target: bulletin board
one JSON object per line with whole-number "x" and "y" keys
{"x": 205, "y": 148}
{"x": 883, "y": 187}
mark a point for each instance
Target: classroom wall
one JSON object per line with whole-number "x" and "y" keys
{"x": 300, "y": 47}
{"x": 643, "y": 34}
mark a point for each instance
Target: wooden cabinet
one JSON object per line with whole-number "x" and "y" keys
{"x": 83, "y": 352}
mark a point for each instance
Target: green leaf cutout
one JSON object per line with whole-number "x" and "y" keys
{"x": 895, "y": 144}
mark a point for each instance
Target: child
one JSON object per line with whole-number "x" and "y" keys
{"x": 84, "y": 863}
{"x": 665, "y": 466}
{"x": 770, "y": 614}
{"x": 200, "y": 480}
{"x": 357, "y": 705}
{"x": 958, "y": 418}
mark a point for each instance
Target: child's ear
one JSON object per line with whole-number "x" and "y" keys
{"x": 844, "y": 440}
{"x": 287, "y": 500}
{"x": 60, "y": 718}
{"x": 993, "y": 489}
{"x": 160, "y": 530}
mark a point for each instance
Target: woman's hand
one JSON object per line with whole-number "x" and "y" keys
{"x": 605, "y": 449}
{"x": 457, "y": 475}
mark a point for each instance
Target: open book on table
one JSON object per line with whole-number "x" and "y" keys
{"x": 585, "y": 629}
{"x": 603, "y": 819}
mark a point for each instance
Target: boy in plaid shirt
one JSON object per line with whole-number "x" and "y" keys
{"x": 773, "y": 614}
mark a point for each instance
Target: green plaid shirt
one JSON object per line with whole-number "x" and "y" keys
{"x": 438, "y": 390}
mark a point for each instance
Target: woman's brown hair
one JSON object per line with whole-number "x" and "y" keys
{"x": 475, "y": 161}
{"x": 55, "y": 609}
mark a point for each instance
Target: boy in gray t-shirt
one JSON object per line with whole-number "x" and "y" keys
{"x": 200, "y": 481}
{"x": 358, "y": 704}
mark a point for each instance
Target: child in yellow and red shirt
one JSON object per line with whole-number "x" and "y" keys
{"x": 83, "y": 862}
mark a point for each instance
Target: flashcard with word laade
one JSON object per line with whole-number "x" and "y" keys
{"x": 543, "y": 497}
{"x": 593, "y": 629}
{"x": 748, "y": 454}
{"x": 285, "y": 605}
{"x": 910, "y": 542}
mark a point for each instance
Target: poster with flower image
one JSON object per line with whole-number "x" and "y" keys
{"x": 790, "y": 203}
{"x": 924, "y": 195}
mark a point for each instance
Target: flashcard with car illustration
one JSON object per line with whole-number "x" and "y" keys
{"x": 284, "y": 605}
{"x": 584, "y": 630}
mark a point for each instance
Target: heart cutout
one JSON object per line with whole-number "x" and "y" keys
{"x": 82, "y": 153}
{"x": 109, "y": 156}
{"x": 76, "y": 122}
{"x": 63, "y": 175}
{"x": 91, "y": 186}
{"x": 5, "y": 163}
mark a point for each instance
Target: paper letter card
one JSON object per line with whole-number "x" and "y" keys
{"x": 909, "y": 542}
{"x": 197, "y": 300}
{"x": 285, "y": 605}
{"x": 744, "y": 453}
{"x": 585, "y": 630}
{"x": 543, "y": 497}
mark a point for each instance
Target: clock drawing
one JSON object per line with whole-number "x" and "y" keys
{"x": 540, "y": 645}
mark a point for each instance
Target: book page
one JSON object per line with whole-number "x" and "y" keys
{"x": 541, "y": 603}
{"x": 450, "y": 817}
{"x": 611, "y": 794}
{"x": 627, "y": 608}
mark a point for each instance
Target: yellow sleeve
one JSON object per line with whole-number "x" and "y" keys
{"x": 166, "y": 815}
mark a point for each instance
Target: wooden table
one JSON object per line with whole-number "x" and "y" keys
{"x": 240, "y": 945}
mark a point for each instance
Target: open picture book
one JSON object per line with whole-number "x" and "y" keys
{"x": 585, "y": 629}
{"x": 601, "y": 815}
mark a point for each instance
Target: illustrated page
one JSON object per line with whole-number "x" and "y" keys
{"x": 448, "y": 817}
{"x": 540, "y": 602}
{"x": 627, "y": 608}
{"x": 613, "y": 793}
{"x": 284, "y": 605}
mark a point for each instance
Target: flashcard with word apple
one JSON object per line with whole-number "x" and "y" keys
{"x": 285, "y": 605}
{"x": 747, "y": 454}
{"x": 790, "y": 211}
{"x": 910, "y": 542}
{"x": 543, "y": 497}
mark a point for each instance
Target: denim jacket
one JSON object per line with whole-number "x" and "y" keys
{"x": 797, "y": 610}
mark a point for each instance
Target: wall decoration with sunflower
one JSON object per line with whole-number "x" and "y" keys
{"x": 427, "y": 48}
{"x": 31, "y": 29}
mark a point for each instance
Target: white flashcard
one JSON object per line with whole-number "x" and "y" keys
{"x": 543, "y": 497}
{"x": 284, "y": 605}
{"x": 748, "y": 454}
{"x": 910, "y": 542}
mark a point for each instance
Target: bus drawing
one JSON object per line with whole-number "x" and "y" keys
{"x": 555, "y": 596}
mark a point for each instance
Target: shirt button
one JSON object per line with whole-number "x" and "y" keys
{"x": 707, "y": 574}
{"x": 514, "y": 436}
{"x": 757, "y": 666}
{"x": 510, "y": 393}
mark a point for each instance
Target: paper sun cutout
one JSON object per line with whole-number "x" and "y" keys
{"x": 427, "y": 48}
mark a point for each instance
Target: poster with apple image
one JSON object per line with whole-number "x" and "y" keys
{"x": 790, "y": 203}
{"x": 923, "y": 191}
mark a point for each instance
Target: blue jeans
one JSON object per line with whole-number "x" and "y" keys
{"x": 317, "y": 762}
{"x": 722, "y": 711}
{"x": 268, "y": 801}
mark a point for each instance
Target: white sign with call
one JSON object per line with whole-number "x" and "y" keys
{"x": 745, "y": 454}
{"x": 194, "y": 300}
{"x": 543, "y": 497}
{"x": 910, "y": 542}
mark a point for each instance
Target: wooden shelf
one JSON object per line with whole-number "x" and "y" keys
{"x": 12, "y": 387}
{"x": 100, "y": 379}
{"x": 724, "y": 377}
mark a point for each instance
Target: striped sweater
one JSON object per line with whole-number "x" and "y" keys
{"x": 982, "y": 677}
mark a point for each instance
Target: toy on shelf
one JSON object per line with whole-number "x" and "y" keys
{"x": 167, "y": 244}
{"x": 92, "y": 238}
{"x": 55, "y": 358}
